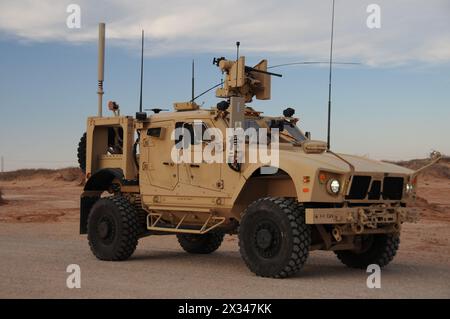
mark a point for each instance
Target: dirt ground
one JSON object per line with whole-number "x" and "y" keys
{"x": 39, "y": 239}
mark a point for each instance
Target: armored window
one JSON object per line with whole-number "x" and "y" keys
{"x": 189, "y": 133}
{"x": 288, "y": 128}
{"x": 293, "y": 130}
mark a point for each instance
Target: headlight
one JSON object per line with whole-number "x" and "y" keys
{"x": 333, "y": 186}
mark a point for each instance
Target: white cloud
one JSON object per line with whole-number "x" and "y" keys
{"x": 411, "y": 31}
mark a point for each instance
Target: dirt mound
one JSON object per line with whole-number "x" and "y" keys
{"x": 440, "y": 170}
{"x": 2, "y": 201}
{"x": 69, "y": 174}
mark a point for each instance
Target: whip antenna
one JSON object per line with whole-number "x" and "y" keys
{"x": 142, "y": 70}
{"x": 101, "y": 65}
{"x": 204, "y": 92}
{"x": 193, "y": 81}
{"x": 310, "y": 62}
{"x": 237, "y": 60}
{"x": 329, "y": 78}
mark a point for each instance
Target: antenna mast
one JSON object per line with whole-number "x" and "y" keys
{"x": 237, "y": 60}
{"x": 101, "y": 65}
{"x": 193, "y": 81}
{"x": 142, "y": 70}
{"x": 329, "y": 78}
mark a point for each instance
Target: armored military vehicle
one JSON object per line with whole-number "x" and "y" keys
{"x": 312, "y": 199}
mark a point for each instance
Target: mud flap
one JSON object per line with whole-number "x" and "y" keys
{"x": 86, "y": 204}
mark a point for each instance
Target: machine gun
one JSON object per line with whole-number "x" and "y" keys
{"x": 244, "y": 81}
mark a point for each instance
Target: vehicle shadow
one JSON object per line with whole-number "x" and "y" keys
{"x": 318, "y": 266}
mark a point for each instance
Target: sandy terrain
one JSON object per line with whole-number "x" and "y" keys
{"x": 39, "y": 238}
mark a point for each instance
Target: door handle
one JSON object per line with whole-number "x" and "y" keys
{"x": 168, "y": 163}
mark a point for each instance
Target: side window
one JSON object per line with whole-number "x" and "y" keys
{"x": 115, "y": 140}
{"x": 189, "y": 133}
{"x": 181, "y": 130}
{"x": 199, "y": 132}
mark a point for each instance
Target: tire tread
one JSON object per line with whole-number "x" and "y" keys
{"x": 301, "y": 237}
{"x": 384, "y": 251}
{"x": 130, "y": 230}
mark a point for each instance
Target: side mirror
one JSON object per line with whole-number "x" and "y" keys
{"x": 308, "y": 135}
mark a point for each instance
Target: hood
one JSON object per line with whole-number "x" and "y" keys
{"x": 364, "y": 164}
{"x": 328, "y": 161}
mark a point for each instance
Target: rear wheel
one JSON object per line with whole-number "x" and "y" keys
{"x": 81, "y": 153}
{"x": 273, "y": 237}
{"x": 113, "y": 228}
{"x": 201, "y": 244}
{"x": 377, "y": 249}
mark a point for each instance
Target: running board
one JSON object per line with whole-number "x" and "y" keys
{"x": 210, "y": 223}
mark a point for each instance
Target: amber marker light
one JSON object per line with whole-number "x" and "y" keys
{"x": 306, "y": 179}
{"x": 322, "y": 178}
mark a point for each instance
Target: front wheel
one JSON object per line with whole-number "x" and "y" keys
{"x": 273, "y": 237}
{"x": 378, "y": 249}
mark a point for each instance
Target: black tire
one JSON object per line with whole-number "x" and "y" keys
{"x": 113, "y": 228}
{"x": 81, "y": 153}
{"x": 377, "y": 249}
{"x": 274, "y": 240}
{"x": 201, "y": 244}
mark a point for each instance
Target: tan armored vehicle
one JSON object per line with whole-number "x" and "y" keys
{"x": 314, "y": 199}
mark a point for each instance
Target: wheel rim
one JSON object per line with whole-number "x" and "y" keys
{"x": 366, "y": 244}
{"x": 267, "y": 239}
{"x": 106, "y": 230}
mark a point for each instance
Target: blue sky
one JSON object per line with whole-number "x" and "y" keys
{"x": 395, "y": 105}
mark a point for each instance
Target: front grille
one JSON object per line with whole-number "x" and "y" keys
{"x": 359, "y": 187}
{"x": 392, "y": 188}
{"x": 375, "y": 190}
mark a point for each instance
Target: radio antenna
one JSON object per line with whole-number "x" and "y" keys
{"x": 204, "y": 92}
{"x": 101, "y": 65}
{"x": 329, "y": 77}
{"x": 311, "y": 62}
{"x": 237, "y": 60}
{"x": 142, "y": 70}
{"x": 193, "y": 81}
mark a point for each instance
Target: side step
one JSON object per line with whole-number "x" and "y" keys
{"x": 211, "y": 222}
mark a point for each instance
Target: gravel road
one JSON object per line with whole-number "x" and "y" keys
{"x": 34, "y": 257}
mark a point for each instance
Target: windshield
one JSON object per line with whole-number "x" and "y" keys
{"x": 294, "y": 131}
{"x": 289, "y": 132}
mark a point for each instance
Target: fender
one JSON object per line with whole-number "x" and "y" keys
{"x": 99, "y": 182}
{"x": 250, "y": 171}
{"x": 102, "y": 179}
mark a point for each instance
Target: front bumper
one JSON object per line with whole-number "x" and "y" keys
{"x": 360, "y": 219}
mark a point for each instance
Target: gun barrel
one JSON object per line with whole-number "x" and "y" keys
{"x": 250, "y": 69}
